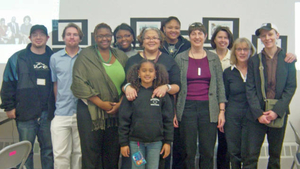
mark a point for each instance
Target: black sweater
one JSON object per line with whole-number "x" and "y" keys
{"x": 180, "y": 46}
{"x": 164, "y": 59}
{"x": 146, "y": 119}
{"x": 235, "y": 89}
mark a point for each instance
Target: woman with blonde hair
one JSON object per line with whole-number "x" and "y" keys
{"x": 237, "y": 105}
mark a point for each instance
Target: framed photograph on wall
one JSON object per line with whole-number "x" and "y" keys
{"x": 58, "y": 28}
{"x": 138, "y": 24}
{"x": 212, "y": 23}
{"x": 281, "y": 42}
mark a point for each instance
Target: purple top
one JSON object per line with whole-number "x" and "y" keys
{"x": 198, "y": 79}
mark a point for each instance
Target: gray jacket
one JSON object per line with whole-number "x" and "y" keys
{"x": 216, "y": 86}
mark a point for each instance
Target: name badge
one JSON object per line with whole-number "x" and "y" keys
{"x": 41, "y": 82}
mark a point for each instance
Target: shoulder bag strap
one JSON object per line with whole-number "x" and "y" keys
{"x": 262, "y": 77}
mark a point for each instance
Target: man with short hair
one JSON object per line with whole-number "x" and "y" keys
{"x": 27, "y": 94}
{"x": 64, "y": 131}
{"x": 280, "y": 84}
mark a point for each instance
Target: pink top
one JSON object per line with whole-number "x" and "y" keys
{"x": 198, "y": 79}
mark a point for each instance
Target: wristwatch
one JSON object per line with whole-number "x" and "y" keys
{"x": 169, "y": 87}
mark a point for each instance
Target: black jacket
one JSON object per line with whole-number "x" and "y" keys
{"x": 19, "y": 87}
{"x": 286, "y": 83}
{"x": 146, "y": 119}
{"x": 181, "y": 46}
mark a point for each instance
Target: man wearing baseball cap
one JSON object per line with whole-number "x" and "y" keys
{"x": 27, "y": 94}
{"x": 280, "y": 84}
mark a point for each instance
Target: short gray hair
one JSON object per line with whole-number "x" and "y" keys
{"x": 141, "y": 36}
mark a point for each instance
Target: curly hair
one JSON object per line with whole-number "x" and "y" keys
{"x": 161, "y": 73}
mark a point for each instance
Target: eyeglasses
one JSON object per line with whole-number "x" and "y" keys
{"x": 103, "y": 36}
{"x": 70, "y": 34}
{"x": 125, "y": 36}
{"x": 196, "y": 24}
{"x": 35, "y": 35}
{"x": 244, "y": 49}
{"x": 153, "y": 38}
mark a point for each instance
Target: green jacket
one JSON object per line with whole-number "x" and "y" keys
{"x": 216, "y": 87}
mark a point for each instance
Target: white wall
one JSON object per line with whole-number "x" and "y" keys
{"x": 251, "y": 13}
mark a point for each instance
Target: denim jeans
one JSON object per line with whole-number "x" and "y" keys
{"x": 28, "y": 130}
{"x": 150, "y": 151}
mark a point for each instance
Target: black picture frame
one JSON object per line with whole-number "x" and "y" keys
{"x": 211, "y": 23}
{"x": 185, "y": 34}
{"x": 259, "y": 45}
{"x": 57, "y": 30}
{"x": 138, "y": 24}
{"x": 56, "y": 49}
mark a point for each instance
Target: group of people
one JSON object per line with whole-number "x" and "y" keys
{"x": 88, "y": 106}
{"x": 12, "y": 33}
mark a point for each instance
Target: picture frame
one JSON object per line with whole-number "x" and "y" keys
{"x": 58, "y": 26}
{"x": 212, "y": 23}
{"x": 281, "y": 42}
{"x": 56, "y": 49}
{"x": 138, "y": 24}
{"x": 185, "y": 34}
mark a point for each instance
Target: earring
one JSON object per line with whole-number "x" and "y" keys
{"x": 139, "y": 76}
{"x": 155, "y": 77}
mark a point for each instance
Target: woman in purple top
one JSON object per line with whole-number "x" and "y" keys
{"x": 201, "y": 100}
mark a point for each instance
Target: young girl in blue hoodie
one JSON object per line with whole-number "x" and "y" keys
{"x": 146, "y": 124}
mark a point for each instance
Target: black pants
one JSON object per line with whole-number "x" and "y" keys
{"x": 100, "y": 149}
{"x": 236, "y": 136}
{"x": 222, "y": 154}
{"x": 196, "y": 121}
{"x": 256, "y": 135}
{"x": 177, "y": 162}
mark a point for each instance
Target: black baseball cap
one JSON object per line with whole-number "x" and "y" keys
{"x": 266, "y": 26}
{"x": 39, "y": 27}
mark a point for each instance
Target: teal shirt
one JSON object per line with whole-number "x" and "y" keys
{"x": 116, "y": 73}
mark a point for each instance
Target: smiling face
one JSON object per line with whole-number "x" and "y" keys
{"x": 72, "y": 38}
{"x": 38, "y": 39}
{"x": 103, "y": 38}
{"x": 172, "y": 31}
{"x": 124, "y": 39}
{"x": 147, "y": 74}
{"x": 268, "y": 38}
{"x": 242, "y": 52}
{"x": 221, "y": 40}
{"x": 197, "y": 38}
{"x": 151, "y": 41}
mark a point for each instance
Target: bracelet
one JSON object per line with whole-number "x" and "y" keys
{"x": 169, "y": 87}
{"x": 127, "y": 84}
{"x": 222, "y": 109}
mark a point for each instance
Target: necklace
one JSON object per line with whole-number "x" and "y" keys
{"x": 202, "y": 56}
{"x": 102, "y": 57}
{"x": 155, "y": 60}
